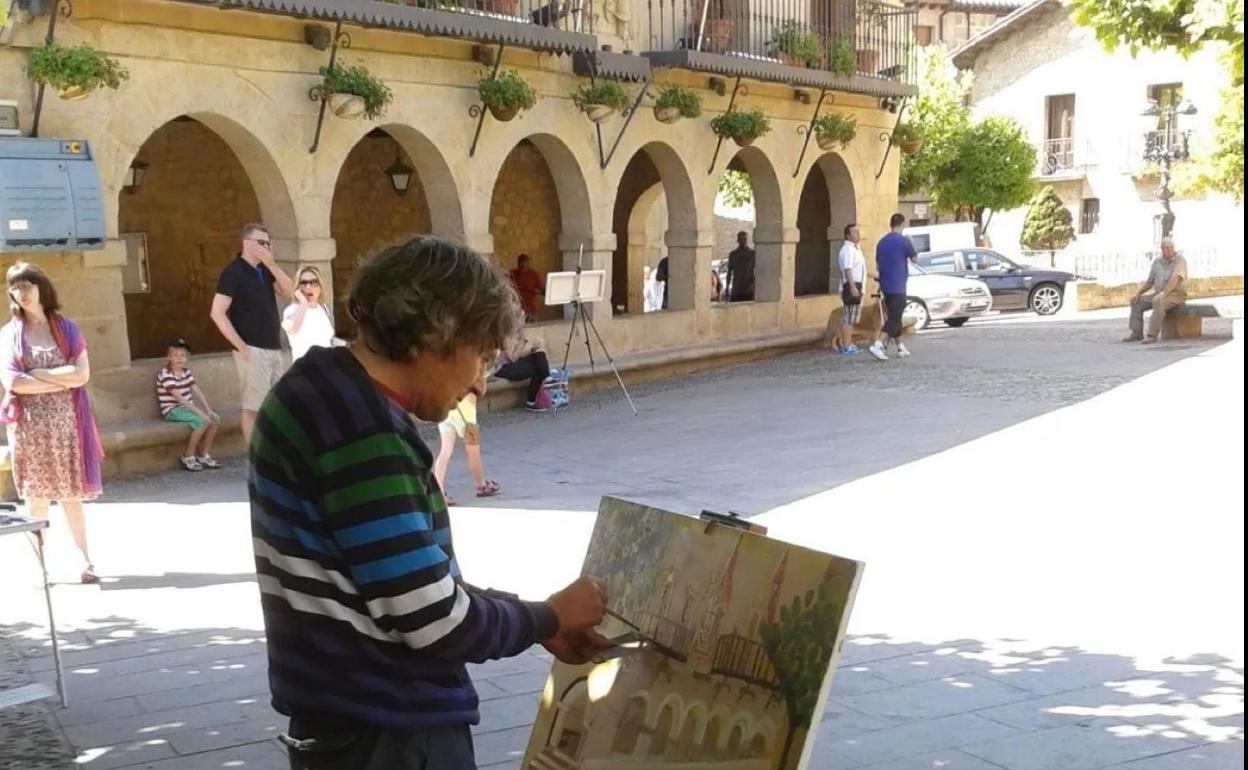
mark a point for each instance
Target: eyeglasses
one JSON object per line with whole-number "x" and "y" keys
{"x": 266, "y": 244}
{"x": 21, "y": 286}
{"x": 310, "y": 282}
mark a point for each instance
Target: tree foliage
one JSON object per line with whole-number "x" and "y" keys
{"x": 990, "y": 170}
{"x": 1048, "y": 225}
{"x": 940, "y": 116}
{"x": 735, "y": 188}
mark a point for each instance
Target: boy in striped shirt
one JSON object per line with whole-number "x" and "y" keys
{"x": 176, "y": 394}
{"x": 369, "y": 623}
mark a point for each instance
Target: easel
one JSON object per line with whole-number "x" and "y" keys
{"x": 587, "y": 324}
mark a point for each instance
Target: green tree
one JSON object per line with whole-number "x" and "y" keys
{"x": 736, "y": 188}
{"x": 1048, "y": 223}
{"x": 799, "y": 644}
{"x": 939, "y": 114}
{"x": 990, "y": 170}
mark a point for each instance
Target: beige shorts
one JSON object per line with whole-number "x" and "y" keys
{"x": 462, "y": 421}
{"x": 258, "y": 374}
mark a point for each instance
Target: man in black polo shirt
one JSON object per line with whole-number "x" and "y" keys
{"x": 245, "y": 310}
{"x": 741, "y": 271}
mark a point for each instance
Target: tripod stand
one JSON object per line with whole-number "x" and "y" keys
{"x": 587, "y": 323}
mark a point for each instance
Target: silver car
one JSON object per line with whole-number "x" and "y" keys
{"x": 932, "y": 297}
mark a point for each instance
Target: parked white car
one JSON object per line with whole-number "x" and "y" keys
{"x": 947, "y": 298}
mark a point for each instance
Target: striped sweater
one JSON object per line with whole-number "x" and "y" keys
{"x": 367, "y": 617}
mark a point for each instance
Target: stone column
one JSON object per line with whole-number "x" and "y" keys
{"x": 836, "y": 239}
{"x": 94, "y": 298}
{"x": 776, "y": 263}
{"x": 689, "y": 266}
{"x": 599, "y": 253}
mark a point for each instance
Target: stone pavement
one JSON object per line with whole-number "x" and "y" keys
{"x": 1051, "y": 521}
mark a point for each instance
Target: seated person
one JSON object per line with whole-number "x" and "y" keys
{"x": 523, "y": 359}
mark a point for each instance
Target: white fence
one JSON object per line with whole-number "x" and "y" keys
{"x": 1114, "y": 268}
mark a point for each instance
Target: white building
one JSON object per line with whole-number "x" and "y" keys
{"x": 1081, "y": 106}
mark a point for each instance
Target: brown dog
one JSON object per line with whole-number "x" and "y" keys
{"x": 868, "y": 328}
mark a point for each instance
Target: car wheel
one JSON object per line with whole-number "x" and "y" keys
{"x": 956, "y": 322}
{"x": 917, "y": 309}
{"x": 1045, "y": 299}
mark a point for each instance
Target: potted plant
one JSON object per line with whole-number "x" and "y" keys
{"x": 741, "y": 127}
{"x": 841, "y": 59}
{"x": 907, "y": 137}
{"x": 506, "y": 95}
{"x": 501, "y": 7}
{"x": 600, "y": 100}
{"x": 835, "y": 130}
{"x": 674, "y": 103}
{"x": 793, "y": 44}
{"x": 718, "y": 30}
{"x": 75, "y": 71}
{"x": 352, "y": 91}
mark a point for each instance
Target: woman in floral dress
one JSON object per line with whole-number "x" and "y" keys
{"x": 52, "y": 434}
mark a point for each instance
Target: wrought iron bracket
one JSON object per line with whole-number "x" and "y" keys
{"x": 61, "y": 9}
{"x": 887, "y": 136}
{"x": 317, "y": 92}
{"x": 629, "y": 112}
{"x": 736, "y": 89}
{"x": 809, "y": 129}
{"x": 478, "y": 111}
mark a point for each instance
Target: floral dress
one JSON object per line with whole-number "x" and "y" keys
{"x": 47, "y": 459}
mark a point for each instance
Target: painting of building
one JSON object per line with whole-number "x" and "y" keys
{"x": 727, "y": 643}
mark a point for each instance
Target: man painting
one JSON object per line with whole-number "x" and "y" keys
{"x": 528, "y": 285}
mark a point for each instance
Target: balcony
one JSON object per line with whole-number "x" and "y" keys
{"x": 864, "y": 46}
{"x": 1066, "y": 158}
{"x": 744, "y": 659}
{"x": 558, "y": 26}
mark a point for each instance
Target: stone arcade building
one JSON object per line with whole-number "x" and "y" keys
{"x": 217, "y": 116}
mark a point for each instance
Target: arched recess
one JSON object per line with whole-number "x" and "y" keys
{"x": 768, "y": 211}
{"x": 204, "y": 176}
{"x": 370, "y": 211}
{"x": 540, "y": 206}
{"x": 654, "y": 196}
{"x": 629, "y": 728}
{"x": 826, "y": 206}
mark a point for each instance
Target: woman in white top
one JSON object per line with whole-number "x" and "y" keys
{"x": 307, "y": 321}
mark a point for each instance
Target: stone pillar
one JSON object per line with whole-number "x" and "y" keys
{"x": 93, "y": 297}
{"x": 482, "y": 243}
{"x": 836, "y": 239}
{"x": 638, "y": 247}
{"x": 775, "y": 263}
{"x": 598, "y": 254}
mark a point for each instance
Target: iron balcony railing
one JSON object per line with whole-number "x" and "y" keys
{"x": 868, "y": 38}
{"x": 566, "y": 15}
{"x": 1060, "y": 157}
{"x": 744, "y": 659}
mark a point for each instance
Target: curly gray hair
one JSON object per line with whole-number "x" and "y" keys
{"x": 431, "y": 294}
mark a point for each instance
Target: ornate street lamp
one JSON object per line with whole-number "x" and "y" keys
{"x": 134, "y": 176}
{"x": 1164, "y": 146}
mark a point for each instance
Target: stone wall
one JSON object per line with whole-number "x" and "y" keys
{"x": 525, "y": 216}
{"x": 368, "y": 215}
{"x": 193, "y": 198}
{"x": 1094, "y": 296}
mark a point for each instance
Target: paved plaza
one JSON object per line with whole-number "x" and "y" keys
{"x": 1051, "y": 521}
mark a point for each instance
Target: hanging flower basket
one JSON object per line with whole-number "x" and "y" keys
{"x": 504, "y": 112}
{"x": 667, "y": 115}
{"x": 912, "y": 147}
{"x": 346, "y": 105}
{"x": 74, "y": 93}
{"x": 907, "y": 138}
{"x": 835, "y": 130}
{"x": 598, "y": 112}
{"x": 601, "y": 100}
{"x": 506, "y": 94}
{"x": 74, "y": 72}
{"x": 742, "y": 127}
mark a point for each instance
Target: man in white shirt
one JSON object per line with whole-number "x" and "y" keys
{"x": 853, "y": 273}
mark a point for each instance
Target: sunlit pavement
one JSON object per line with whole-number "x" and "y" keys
{"x": 1052, "y": 525}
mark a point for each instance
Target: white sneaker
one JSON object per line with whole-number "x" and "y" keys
{"x": 877, "y": 351}
{"x": 901, "y": 351}
{"x": 191, "y": 464}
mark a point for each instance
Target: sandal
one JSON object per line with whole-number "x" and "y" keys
{"x": 89, "y": 577}
{"x": 450, "y": 501}
{"x": 489, "y": 489}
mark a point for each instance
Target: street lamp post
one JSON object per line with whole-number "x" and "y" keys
{"x": 1164, "y": 147}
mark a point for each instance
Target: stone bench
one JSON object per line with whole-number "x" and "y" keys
{"x": 1187, "y": 321}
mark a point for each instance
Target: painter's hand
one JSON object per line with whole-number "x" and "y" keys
{"x": 577, "y": 648}
{"x": 580, "y": 606}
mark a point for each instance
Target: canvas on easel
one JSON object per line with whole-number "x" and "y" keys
{"x": 727, "y": 644}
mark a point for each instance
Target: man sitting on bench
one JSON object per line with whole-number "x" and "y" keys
{"x": 1165, "y": 279}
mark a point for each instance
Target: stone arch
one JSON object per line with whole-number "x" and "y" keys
{"x": 768, "y": 231}
{"x": 540, "y": 205}
{"x": 366, "y": 213}
{"x": 654, "y": 176}
{"x": 632, "y": 722}
{"x": 693, "y": 723}
{"x": 205, "y": 176}
{"x": 715, "y": 734}
{"x": 666, "y": 722}
{"x": 827, "y": 204}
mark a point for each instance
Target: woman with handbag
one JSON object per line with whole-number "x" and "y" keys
{"x": 44, "y": 368}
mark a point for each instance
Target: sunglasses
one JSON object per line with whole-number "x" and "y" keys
{"x": 310, "y": 282}
{"x": 264, "y": 243}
